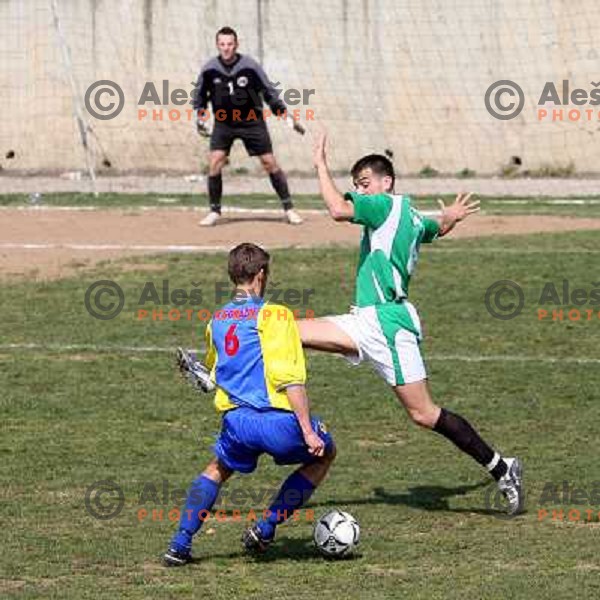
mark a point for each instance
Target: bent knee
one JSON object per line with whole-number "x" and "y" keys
{"x": 330, "y": 453}
{"x": 269, "y": 164}
{"x": 426, "y": 419}
{"x": 215, "y": 169}
{"x": 216, "y": 164}
{"x": 217, "y": 471}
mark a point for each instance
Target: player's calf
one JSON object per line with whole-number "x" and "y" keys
{"x": 317, "y": 470}
{"x": 201, "y": 498}
{"x": 417, "y": 401}
{"x": 293, "y": 494}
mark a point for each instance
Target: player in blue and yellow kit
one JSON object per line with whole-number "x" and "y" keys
{"x": 256, "y": 360}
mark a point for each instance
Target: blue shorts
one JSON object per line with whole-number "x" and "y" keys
{"x": 247, "y": 433}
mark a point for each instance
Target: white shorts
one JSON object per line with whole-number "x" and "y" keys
{"x": 388, "y": 337}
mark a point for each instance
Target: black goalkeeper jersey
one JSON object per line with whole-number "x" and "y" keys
{"x": 239, "y": 86}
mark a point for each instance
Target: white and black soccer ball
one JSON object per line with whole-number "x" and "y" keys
{"x": 336, "y": 534}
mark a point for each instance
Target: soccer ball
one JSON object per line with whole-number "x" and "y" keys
{"x": 336, "y": 534}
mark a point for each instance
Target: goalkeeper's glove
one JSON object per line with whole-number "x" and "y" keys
{"x": 295, "y": 126}
{"x": 202, "y": 127}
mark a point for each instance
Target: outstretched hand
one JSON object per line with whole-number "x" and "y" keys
{"x": 459, "y": 210}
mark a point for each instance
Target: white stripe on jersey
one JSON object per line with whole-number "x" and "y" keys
{"x": 383, "y": 237}
{"x": 378, "y": 287}
{"x": 414, "y": 315}
{"x": 398, "y": 283}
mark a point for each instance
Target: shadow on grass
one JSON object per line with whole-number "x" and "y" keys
{"x": 424, "y": 497}
{"x": 288, "y": 549}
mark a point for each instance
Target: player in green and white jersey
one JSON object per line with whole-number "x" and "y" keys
{"x": 383, "y": 327}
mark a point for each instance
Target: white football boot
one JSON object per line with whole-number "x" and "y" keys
{"x": 210, "y": 220}
{"x": 293, "y": 218}
{"x": 511, "y": 485}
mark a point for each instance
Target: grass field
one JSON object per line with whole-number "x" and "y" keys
{"x": 79, "y": 406}
{"x": 584, "y": 206}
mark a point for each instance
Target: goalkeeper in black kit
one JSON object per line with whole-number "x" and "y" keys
{"x": 235, "y": 86}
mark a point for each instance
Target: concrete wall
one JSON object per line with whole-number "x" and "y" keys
{"x": 408, "y": 75}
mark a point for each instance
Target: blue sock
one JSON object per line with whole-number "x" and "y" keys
{"x": 295, "y": 492}
{"x": 201, "y": 497}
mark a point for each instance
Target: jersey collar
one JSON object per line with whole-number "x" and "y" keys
{"x": 229, "y": 66}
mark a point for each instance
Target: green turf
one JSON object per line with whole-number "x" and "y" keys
{"x": 584, "y": 206}
{"x": 72, "y": 417}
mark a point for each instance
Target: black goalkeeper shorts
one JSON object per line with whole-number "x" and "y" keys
{"x": 255, "y": 136}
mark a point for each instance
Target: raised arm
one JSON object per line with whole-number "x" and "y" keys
{"x": 339, "y": 208}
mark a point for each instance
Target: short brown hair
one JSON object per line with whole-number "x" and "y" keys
{"x": 226, "y": 31}
{"x": 246, "y": 261}
{"x": 379, "y": 164}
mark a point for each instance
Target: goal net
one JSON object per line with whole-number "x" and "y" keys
{"x": 406, "y": 76}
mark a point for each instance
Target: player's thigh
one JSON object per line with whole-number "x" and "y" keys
{"x": 256, "y": 139}
{"x": 391, "y": 348}
{"x": 326, "y": 335}
{"x": 234, "y": 447}
{"x": 416, "y": 399}
{"x": 283, "y": 439}
{"x": 222, "y": 139}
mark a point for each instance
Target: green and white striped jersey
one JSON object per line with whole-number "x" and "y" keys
{"x": 389, "y": 249}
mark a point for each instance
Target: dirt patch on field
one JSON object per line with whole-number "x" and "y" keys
{"x": 55, "y": 243}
